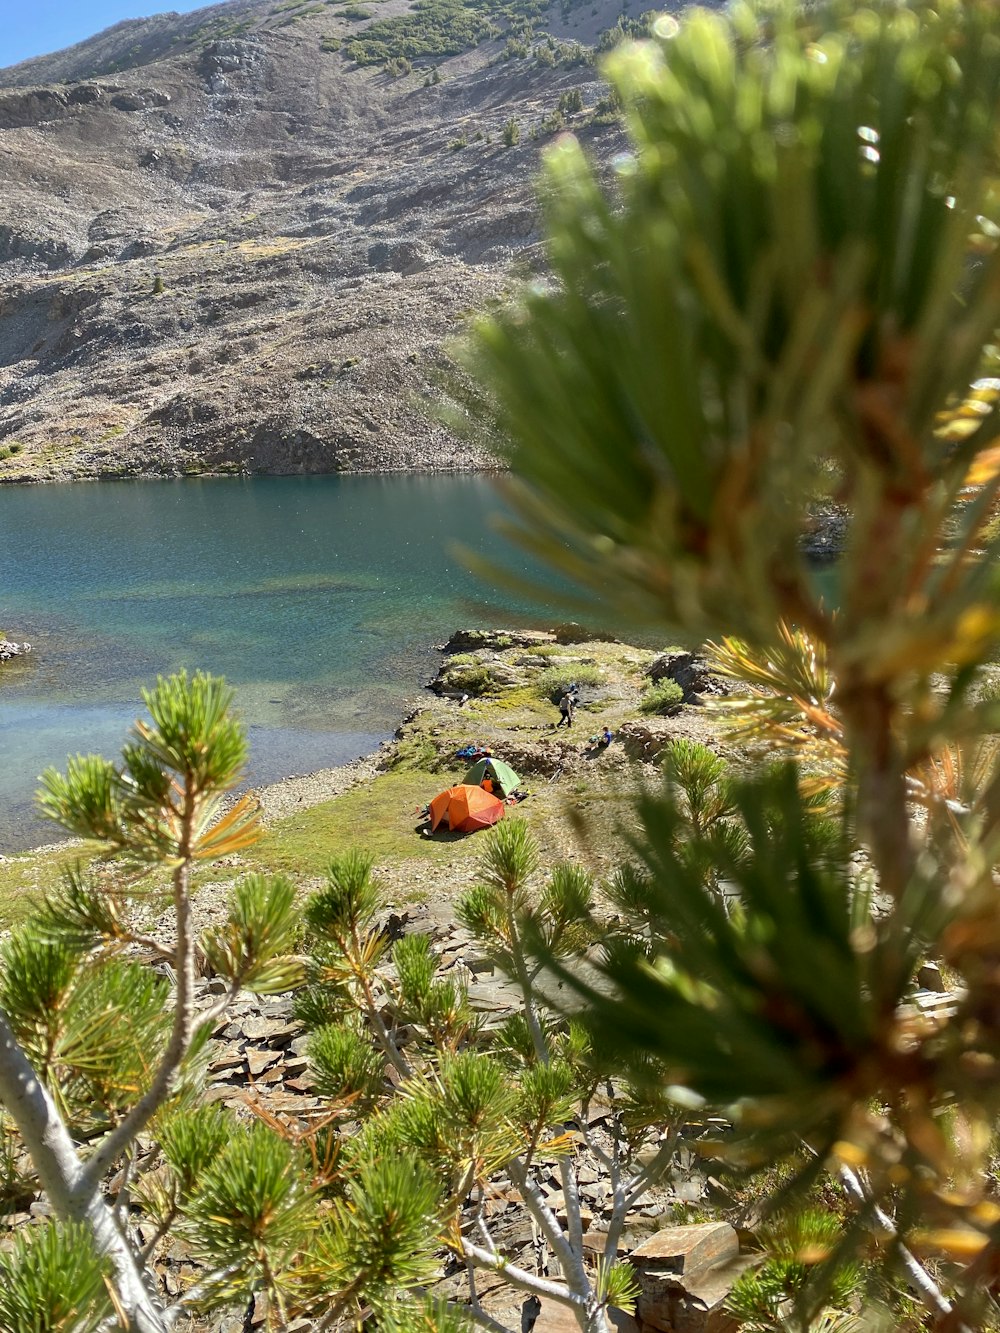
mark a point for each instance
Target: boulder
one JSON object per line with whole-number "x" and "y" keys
{"x": 684, "y": 1249}
{"x": 694, "y": 1304}
{"x": 685, "y": 1274}
{"x": 9, "y": 650}
{"x": 688, "y": 670}
{"x": 470, "y": 640}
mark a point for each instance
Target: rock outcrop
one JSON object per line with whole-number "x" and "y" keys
{"x": 9, "y": 650}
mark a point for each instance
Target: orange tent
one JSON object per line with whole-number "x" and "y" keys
{"x": 466, "y": 808}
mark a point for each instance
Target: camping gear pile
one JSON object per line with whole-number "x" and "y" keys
{"x": 480, "y": 799}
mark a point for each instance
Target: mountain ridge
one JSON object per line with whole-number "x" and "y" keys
{"x": 246, "y": 255}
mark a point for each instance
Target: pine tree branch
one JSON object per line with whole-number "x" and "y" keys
{"x": 930, "y": 1293}
{"x": 642, "y": 1180}
{"x": 183, "y": 1025}
{"x": 475, "y": 1310}
{"x": 605, "y": 1158}
{"x": 570, "y": 1260}
{"x": 571, "y": 1197}
{"x": 146, "y": 1253}
{"x": 147, "y": 942}
{"x": 524, "y": 982}
{"x": 339, "y": 1306}
{"x": 124, "y": 1195}
{"x": 488, "y": 1240}
{"x": 64, "y": 1179}
{"x": 612, "y": 1162}
{"x": 479, "y": 1317}
{"x": 521, "y": 1278}
{"x": 383, "y": 1036}
{"x": 211, "y": 1015}
{"x": 200, "y": 1289}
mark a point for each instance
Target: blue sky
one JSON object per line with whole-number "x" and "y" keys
{"x": 36, "y": 27}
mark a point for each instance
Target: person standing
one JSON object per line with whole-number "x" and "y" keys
{"x": 566, "y": 706}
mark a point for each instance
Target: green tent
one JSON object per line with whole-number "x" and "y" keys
{"x": 502, "y": 776}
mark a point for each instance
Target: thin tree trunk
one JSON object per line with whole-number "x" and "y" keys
{"x": 68, "y": 1189}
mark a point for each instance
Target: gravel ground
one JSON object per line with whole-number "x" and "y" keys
{"x": 299, "y": 793}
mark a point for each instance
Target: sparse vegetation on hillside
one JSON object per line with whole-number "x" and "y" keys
{"x": 436, "y": 28}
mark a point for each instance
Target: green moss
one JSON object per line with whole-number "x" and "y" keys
{"x": 417, "y": 753}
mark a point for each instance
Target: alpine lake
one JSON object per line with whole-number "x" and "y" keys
{"x": 320, "y": 599}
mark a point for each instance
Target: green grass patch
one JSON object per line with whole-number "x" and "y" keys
{"x": 555, "y": 680}
{"x": 381, "y": 816}
{"x": 511, "y": 700}
{"x": 26, "y": 879}
{"x": 472, "y": 680}
{"x": 419, "y": 754}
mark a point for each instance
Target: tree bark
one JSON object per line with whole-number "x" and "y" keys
{"x": 73, "y": 1197}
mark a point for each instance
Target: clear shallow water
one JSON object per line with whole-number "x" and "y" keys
{"x": 319, "y": 599}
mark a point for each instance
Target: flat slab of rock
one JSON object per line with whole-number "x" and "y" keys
{"x": 685, "y": 1249}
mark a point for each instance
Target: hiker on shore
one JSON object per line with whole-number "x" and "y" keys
{"x": 566, "y": 706}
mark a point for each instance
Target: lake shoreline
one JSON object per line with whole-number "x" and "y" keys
{"x": 278, "y": 799}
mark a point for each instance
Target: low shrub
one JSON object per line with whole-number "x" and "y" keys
{"x": 570, "y": 54}
{"x": 608, "y": 110}
{"x": 511, "y": 133}
{"x": 664, "y": 698}
{"x": 554, "y": 681}
{"x": 472, "y": 680}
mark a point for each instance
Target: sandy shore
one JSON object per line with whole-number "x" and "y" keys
{"x": 298, "y": 793}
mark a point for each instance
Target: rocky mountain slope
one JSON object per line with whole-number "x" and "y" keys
{"x": 237, "y": 240}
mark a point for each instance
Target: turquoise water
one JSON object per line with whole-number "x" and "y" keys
{"x": 319, "y": 598}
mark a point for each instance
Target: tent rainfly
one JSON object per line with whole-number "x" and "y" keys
{"x": 502, "y": 776}
{"x": 466, "y": 809}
